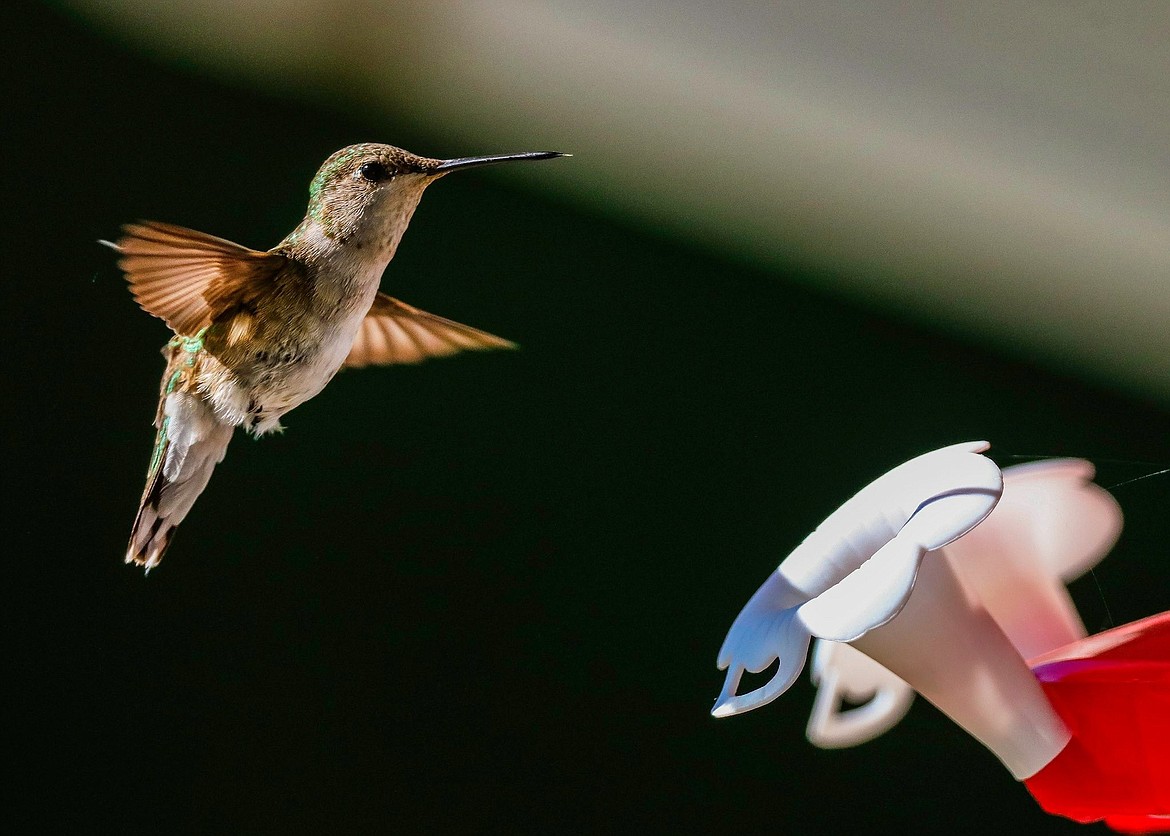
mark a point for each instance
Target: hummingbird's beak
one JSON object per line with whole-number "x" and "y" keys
{"x": 469, "y": 162}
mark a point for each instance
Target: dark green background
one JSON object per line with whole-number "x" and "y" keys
{"x": 484, "y": 594}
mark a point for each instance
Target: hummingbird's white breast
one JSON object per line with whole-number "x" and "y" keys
{"x": 258, "y": 396}
{"x": 289, "y": 386}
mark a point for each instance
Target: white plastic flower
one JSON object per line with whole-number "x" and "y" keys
{"x": 1051, "y": 525}
{"x": 954, "y": 625}
{"x": 856, "y": 571}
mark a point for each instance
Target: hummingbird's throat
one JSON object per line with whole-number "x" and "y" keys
{"x": 359, "y": 227}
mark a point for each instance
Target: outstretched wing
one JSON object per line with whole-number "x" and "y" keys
{"x": 185, "y": 277}
{"x": 395, "y": 332}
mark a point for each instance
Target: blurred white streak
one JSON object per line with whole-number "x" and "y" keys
{"x": 1000, "y": 168}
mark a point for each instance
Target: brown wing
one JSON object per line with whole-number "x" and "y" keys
{"x": 186, "y": 277}
{"x": 395, "y": 332}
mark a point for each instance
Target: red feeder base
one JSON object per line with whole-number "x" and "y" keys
{"x": 1113, "y": 692}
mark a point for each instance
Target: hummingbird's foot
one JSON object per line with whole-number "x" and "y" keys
{"x": 260, "y": 423}
{"x": 258, "y": 429}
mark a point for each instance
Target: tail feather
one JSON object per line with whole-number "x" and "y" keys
{"x": 191, "y": 442}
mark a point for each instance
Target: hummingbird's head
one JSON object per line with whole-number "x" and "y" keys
{"x": 369, "y": 192}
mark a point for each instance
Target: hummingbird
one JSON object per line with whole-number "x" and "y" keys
{"x": 258, "y": 333}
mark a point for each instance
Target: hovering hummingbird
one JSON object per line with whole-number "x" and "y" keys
{"x": 259, "y": 333}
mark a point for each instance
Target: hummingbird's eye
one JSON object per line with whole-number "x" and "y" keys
{"x": 374, "y": 172}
